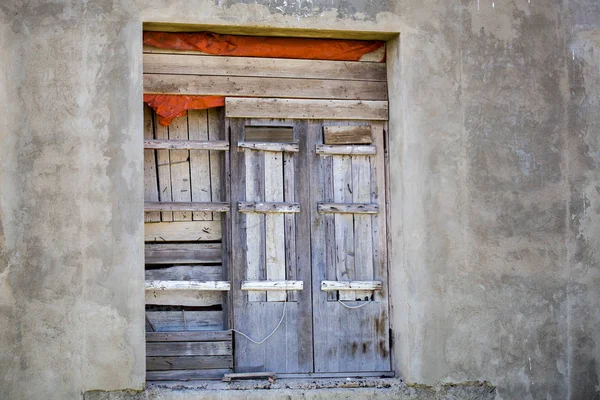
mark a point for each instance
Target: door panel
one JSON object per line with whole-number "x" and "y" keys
{"x": 271, "y": 246}
{"x": 349, "y": 246}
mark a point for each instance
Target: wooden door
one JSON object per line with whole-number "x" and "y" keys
{"x": 349, "y": 252}
{"x": 270, "y": 238}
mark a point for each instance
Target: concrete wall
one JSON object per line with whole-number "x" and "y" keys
{"x": 495, "y": 186}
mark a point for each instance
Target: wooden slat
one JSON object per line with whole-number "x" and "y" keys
{"x": 150, "y": 179}
{"x": 267, "y": 146}
{"x": 154, "y": 349}
{"x": 350, "y": 285}
{"x": 184, "y": 298}
{"x": 343, "y": 223}
{"x": 180, "y": 168}
{"x": 188, "y": 285}
{"x": 174, "y": 321}
{"x": 272, "y": 207}
{"x": 269, "y": 134}
{"x": 274, "y": 223}
{"x": 183, "y": 206}
{"x": 186, "y": 374}
{"x": 163, "y": 160}
{"x": 346, "y": 150}
{"x": 249, "y": 375}
{"x": 236, "y": 107}
{"x": 193, "y": 231}
{"x": 263, "y": 67}
{"x": 348, "y": 208}
{"x": 199, "y": 336}
{"x": 199, "y": 162}
{"x": 272, "y": 285}
{"x": 264, "y": 87}
{"x": 347, "y": 134}
{"x": 186, "y": 273}
{"x": 289, "y": 195}
{"x": 182, "y": 253}
{"x": 187, "y": 144}
{"x": 183, "y": 363}
{"x": 328, "y": 245}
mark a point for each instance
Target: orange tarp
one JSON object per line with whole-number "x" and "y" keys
{"x": 169, "y": 107}
{"x": 263, "y": 46}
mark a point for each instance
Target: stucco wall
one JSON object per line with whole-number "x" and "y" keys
{"x": 495, "y": 148}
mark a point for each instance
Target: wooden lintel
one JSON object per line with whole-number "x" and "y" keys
{"x": 353, "y": 150}
{"x": 188, "y": 285}
{"x": 348, "y": 208}
{"x": 347, "y": 134}
{"x": 267, "y": 146}
{"x": 183, "y": 206}
{"x": 327, "y": 286}
{"x": 268, "y": 207}
{"x": 272, "y": 285}
{"x": 187, "y": 144}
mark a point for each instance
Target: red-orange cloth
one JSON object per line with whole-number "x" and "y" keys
{"x": 168, "y": 106}
{"x": 263, "y": 46}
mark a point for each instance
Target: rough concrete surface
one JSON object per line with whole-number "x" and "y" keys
{"x": 494, "y": 179}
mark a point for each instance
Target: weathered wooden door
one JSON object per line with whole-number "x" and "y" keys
{"x": 309, "y": 217}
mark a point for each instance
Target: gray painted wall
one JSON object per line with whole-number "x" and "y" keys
{"x": 495, "y": 147}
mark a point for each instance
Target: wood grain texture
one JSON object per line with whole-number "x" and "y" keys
{"x": 272, "y": 285}
{"x": 262, "y": 67}
{"x": 154, "y": 349}
{"x": 346, "y": 150}
{"x": 186, "y": 273}
{"x": 269, "y": 134}
{"x": 237, "y": 107}
{"x": 187, "y": 363}
{"x": 180, "y": 168}
{"x": 192, "y": 231}
{"x": 349, "y": 208}
{"x": 187, "y": 286}
{"x": 150, "y": 178}
{"x": 347, "y": 134}
{"x": 270, "y": 207}
{"x": 186, "y": 375}
{"x": 343, "y": 223}
{"x": 183, "y": 298}
{"x": 199, "y": 336}
{"x": 183, "y": 253}
{"x": 350, "y": 285}
{"x": 267, "y": 146}
{"x": 178, "y": 321}
{"x": 264, "y": 87}
{"x": 214, "y": 145}
{"x": 189, "y": 206}
{"x": 163, "y": 165}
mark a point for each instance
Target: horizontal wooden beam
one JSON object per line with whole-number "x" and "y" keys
{"x": 187, "y": 144}
{"x": 328, "y": 286}
{"x": 155, "y": 349}
{"x": 188, "y": 285}
{"x": 178, "y": 321}
{"x": 187, "y": 298}
{"x": 186, "y": 374}
{"x": 249, "y": 375}
{"x": 181, "y": 206}
{"x": 264, "y": 87}
{"x": 272, "y": 285}
{"x": 186, "y": 273}
{"x": 198, "y": 336}
{"x": 269, "y": 146}
{"x": 351, "y": 150}
{"x": 183, "y": 253}
{"x": 269, "y": 207}
{"x": 348, "y": 208}
{"x": 237, "y": 107}
{"x": 263, "y": 67}
{"x": 347, "y": 134}
{"x": 189, "y": 231}
{"x": 187, "y": 363}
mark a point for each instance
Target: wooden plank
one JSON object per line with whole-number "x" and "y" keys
{"x": 188, "y": 285}
{"x": 343, "y": 223}
{"x": 349, "y": 208}
{"x": 347, "y": 134}
{"x": 183, "y": 253}
{"x": 195, "y": 231}
{"x": 200, "y": 162}
{"x": 274, "y": 223}
{"x": 194, "y": 362}
{"x": 183, "y": 298}
{"x": 237, "y": 107}
{"x": 183, "y": 206}
{"x": 154, "y": 349}
{"x": 272, "y": 285}
{"x": 289, "y": 188}
{"x": 346, "y": 150}
{"x": 174, "y": 321}
{"x": 263, "y": 67}
{"x": 350, "y": 285}
{"x": 326, "y": 183}
{"x": 163, "y": 165}
{"x": 264, "y": 87}
{"x": 186, "y": 273}
{"x": 180, "y": 168}
{"x": 249, "y": 375}
{"x": 216, "y": 131}
{"x": 150, "y": 178}
{"x": 271, "y": 207}
{"x": 277, "y": 147}
{"x": 186, "y": 374}
{"x": 215, "y": 145}
{"x": 199, "y": 336}
{"x": 269, "y": 134}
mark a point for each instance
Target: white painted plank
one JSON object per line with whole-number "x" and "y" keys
{"x": 350, "y": 285}
{"x": 271, "y": 207}
{"x": 185, "y": 206}
{"x": 272, "y": 285}
{"x": 345, "y": 150}
{"x": 274, "y": 223}
{"x": 238, "y": 107}
{"x": 269, "y": 146}
{"x": 188, "y": 285}
{"x": 214, "y": 145}
{"x": 184, "y": 298}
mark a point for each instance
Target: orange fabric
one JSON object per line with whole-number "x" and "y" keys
{"x": 168, "y": 106}
{"x": 263, "y": 46}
